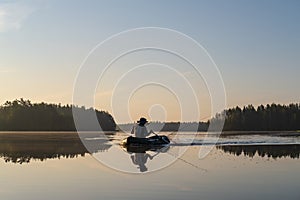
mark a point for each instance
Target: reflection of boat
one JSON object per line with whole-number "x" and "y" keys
{"x": 140, "y": 148}
{"x": 157, "y": 140}
{"x": 143, "y": 149}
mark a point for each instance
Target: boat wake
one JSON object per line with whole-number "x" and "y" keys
{"x": 236, "y": 140}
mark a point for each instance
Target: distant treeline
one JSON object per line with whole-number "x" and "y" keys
{"x": 169, "y": 126}
{"x": 22, "y": 115}
{"x": 274, "y": 117}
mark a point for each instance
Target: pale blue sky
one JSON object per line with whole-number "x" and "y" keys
{"x": 255, "y": 44}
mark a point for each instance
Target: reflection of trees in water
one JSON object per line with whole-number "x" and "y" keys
{"x": 270, "y": 151}
{"x": 22, "y": 148}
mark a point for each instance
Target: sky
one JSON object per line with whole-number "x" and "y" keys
{"x": 254, "y": 44}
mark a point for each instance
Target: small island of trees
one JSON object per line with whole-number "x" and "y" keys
{"x": 22, "y": 115}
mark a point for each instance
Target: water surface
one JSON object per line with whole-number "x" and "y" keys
{"x": 44, "y": 166}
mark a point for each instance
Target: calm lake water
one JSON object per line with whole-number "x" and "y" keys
{"x": 57, "y": 166}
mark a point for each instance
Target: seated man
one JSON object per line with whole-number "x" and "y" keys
{"x": 140, "y": 130}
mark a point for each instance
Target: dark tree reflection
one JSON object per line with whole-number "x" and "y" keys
{"x": 24, "y": 147}
{"x": 270, "y": 151}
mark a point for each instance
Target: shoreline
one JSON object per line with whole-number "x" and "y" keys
{"x": 224, "y": 133}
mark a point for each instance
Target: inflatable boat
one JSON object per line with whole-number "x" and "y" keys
{"x": 157, "y": 140}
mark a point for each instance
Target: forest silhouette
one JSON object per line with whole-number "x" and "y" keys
{"x": 22, "y": 115}
{"x": 274, "y": 117}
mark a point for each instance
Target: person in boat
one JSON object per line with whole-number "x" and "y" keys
{"x": 140, "y": 130}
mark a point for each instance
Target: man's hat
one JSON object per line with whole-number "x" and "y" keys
{"x": 143, "y": 120}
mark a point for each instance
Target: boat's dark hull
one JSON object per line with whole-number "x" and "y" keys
{"x": 141, "y": 145}
{"x": 150, "y": 141}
